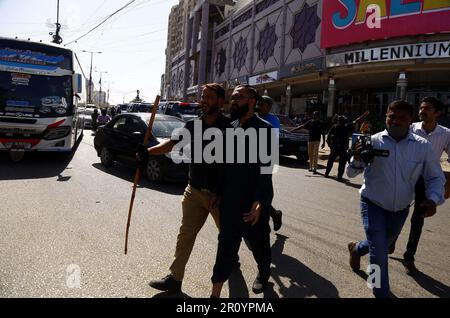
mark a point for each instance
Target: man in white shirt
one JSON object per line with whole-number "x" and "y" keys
{"x": 388, "y": 190}
{"x": 439, "y": 137}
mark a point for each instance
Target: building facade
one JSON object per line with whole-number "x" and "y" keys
{"x": 176, "y": 42}
{"x": 345, "y": 57}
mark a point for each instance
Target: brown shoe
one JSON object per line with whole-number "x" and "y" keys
{"x": 410, "y": 268}
{"x": 355, "y": 259}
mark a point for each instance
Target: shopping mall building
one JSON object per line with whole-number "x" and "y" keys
{"x": 337, "y": 56}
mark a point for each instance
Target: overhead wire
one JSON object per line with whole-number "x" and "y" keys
{"x": 101, "y": 23}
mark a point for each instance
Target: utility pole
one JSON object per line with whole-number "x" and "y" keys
{"x": 90, "y": 77}
{"x": 100, "y": 99}
{"x": 56, "y": 37}
{"x": 109, "y": 88}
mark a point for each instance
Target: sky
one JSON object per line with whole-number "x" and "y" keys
{"x": 132, "y": 43}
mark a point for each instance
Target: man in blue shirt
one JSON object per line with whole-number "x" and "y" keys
{"x": 388, "y": 190}
{"x": 263, "y": 107}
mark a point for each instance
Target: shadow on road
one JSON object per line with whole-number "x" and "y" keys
{"x": 353, "y": 185}
{"x": 37, "y": 165}
{"x": 292, "y": 163}
{"x": 429, "y": 283}
{"x": 303, "y": 282}
{"x": 167, "y": 294}
{"x": 127, "y": 173}
{"x": 344, "y": 181}
{"x": 237, "y": 285}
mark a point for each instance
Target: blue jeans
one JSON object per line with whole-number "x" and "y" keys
{"x": 382, "y": 228}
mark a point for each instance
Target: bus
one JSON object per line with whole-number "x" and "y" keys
{"x": 39, "y": 95}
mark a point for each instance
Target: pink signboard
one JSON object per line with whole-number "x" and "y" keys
{"x": 351, "y": 21}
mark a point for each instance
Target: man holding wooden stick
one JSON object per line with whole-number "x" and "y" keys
{"x": 199, "y": 197}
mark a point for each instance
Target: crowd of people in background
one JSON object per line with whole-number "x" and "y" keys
{"x": 240, "y": 199}
{"x": 104, "y": 117}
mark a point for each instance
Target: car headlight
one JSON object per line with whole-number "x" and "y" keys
{"x": 57, "y": 133}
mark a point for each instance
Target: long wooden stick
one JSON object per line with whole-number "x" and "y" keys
{"x": 137, "y": 177}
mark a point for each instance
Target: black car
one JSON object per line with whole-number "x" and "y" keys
{"x": 118, "y": 141}
{"x": 293, "y": 143}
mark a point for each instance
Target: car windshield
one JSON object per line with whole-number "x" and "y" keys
{"x": 164, "y": 128}
{"x": 29, "y": 95}
{"x": 187, "y": 110}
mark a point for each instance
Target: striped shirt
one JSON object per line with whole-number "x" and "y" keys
{"x": 439, "y": 138}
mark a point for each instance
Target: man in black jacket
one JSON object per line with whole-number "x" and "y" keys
{"x": 246, "y": 195}
{"x": 200, "y": 192}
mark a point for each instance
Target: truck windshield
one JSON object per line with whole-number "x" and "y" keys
{"x": 27, "y": 95}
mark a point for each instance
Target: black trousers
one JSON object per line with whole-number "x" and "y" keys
{"x": 342, "y": 154}
{"x": 417, "y": 222}
{"x": 232, "y": 230}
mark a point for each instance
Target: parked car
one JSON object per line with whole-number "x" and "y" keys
{"x": 118, "y": 141}
{"x": 293, "y": 143}
{"x": 123, "y": 108}
{"x": 139, "y": 108}
{"x": 88, "y": 111}
{"x": 185, "y": 111}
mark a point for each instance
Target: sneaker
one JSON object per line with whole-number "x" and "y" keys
{"x": 410, "y": 268}
{"x": 276, "y": 218}
{"x": 259, "y": 284}
{"x": 355, "y": 259}
{"x": 168, "y": 283}
{"x": 314, "y": 171}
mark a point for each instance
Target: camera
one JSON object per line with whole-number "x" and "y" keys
{"x": 368, "y": 152}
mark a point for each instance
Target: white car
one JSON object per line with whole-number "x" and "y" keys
{"x": 88, "y": 111}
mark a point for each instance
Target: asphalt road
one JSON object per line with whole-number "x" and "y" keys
{"x": 63, "y": 216}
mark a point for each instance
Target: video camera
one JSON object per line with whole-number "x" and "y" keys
{"x": 368, "y": 152}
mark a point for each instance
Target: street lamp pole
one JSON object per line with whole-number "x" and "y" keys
{"x": 100, "y": 99}
{"x": 90, "y": 77}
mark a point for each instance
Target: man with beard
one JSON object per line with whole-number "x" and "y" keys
{"x": 388, "y": 190}
{"x": 200, "y": 192}
{"x": 439, "y": 137}
{"x": 246, "y": 195}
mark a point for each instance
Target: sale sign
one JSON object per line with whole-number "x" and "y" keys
{"x": 351, "y": 21}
